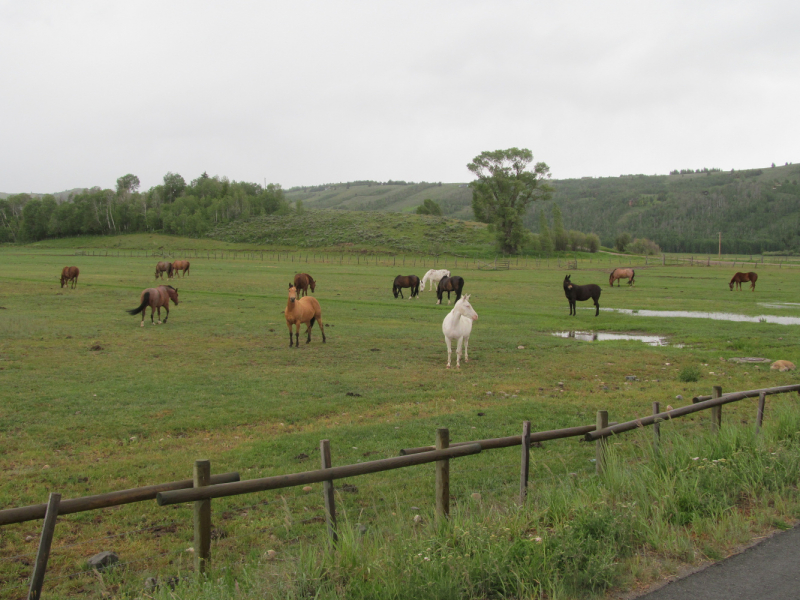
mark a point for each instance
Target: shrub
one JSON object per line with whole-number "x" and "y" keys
{"x": 592, "y": 242}
{"x": 689, "y": 374}
{"x": 623, "y": 239}
{"x": 643, "y": 246}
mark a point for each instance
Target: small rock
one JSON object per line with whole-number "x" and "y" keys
{"x": 488, "y": 393}
{"x": 630, "y": 377}
{"x": 782, "y": 366}
{"x": 561, "y": 384}
{"x": 307, "y": 488}
{"x": 480, "y": 414}
{"x": 190, "y": 549}
{"x": 520, "y": 347}
{"x": 102, "y": 560}
{"x": 46, "y": 467}
{"x": 678, "y": 397}
{"x": 96, "y": 347}
{"x": 669, "y": 407}
{"x": 417, "y": 519}
{"x": 270, "y": 554}
{"x": 354, "y": 394}
{"x": 29, "y": 538}
{"x": 415, "y": 508}
{"x": 605, "y": 388}
{"x": 476, "y": 496}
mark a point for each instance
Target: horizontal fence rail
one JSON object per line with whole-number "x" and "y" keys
{"x": 295, "y": 479}
{"x": 118, "y": 498}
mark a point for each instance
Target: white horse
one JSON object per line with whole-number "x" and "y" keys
{"x": 458, "y": 324}
{"x": 434, "y": 277}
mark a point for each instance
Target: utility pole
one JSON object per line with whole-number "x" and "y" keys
{"x": 720, "y": 244}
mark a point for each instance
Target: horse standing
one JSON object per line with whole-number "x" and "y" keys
{"x": 164, "y": 267}
{"x": 434, "y": 276}
{"x": 302, "y": 310}
{"x": 458, "y": 325}
{"x": 155, "y": 298}
{"x": 742, "y": 277}
{"x": 70, "y": 274}
{"x": 618, "y": 274}
{"x": 449, "y": 284}
{"x": 180, "y": 265}
{"x": 406, "y": 281}
{"x": 581, "y": 292}
{"x": 303, "y": 281}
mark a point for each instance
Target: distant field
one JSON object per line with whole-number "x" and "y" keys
{"x": 220, "y": 382}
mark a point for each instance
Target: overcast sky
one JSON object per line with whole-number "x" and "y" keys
{"x": 301, "y": 93}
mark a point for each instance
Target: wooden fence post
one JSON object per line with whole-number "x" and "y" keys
{"x": 327, "y": 492}
{"x": 525, "y": 464}
{"x": 37, "y": 580}
{"x": 656, "y": 426}
{"x": 762, "y": 400}
{"x": 716, "y": 411}
{"x": 202, "y": 517}
{"x": 442, "y": 475}
{"x": 600, "y": 444}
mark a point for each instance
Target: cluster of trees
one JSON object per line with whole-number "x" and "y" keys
{"x": 692, "y": 172}
{"x": 623, "y": 243}
{"x": 173, "y": 207}
{"x": 558, "y": 238}
{"x": 429, "y": 207}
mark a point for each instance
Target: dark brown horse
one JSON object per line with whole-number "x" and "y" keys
{"x": 69, "y": 274}
{"x": 303, "y": 281}
{"x": 580, "y": 293}
{"x": 449, "y": 284}
{"x": 406, "y": 281}
{"x": 164, "y": 267}
{"x": 180, "y": 265}
{"x": 744, "y": 277}
{"x": 618, "y": 274}
{"x": 302, "y": 310}
{"x": 155, "y": 298}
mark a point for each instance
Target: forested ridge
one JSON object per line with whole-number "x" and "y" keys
{"x": 755, "y": 210}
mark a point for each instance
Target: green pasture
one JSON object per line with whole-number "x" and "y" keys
{"x": 91, "y": 402}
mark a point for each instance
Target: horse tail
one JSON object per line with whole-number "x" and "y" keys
{"x": 145, "y": 302}
{"x": 311, "y": 322}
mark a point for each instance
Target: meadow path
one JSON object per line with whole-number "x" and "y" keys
{"x": 770, "y": 570}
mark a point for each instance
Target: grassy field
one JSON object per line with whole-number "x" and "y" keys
{"x": 91, "y": 402}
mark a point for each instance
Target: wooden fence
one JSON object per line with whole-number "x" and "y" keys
{"x": 204, "y": 487}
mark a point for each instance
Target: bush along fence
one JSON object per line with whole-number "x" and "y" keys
{"x": 204, "y": 487}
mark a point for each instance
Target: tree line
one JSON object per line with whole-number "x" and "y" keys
{"x": 174, "y": 206}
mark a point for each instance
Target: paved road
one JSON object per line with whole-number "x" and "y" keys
{"x": 767, "y": 571}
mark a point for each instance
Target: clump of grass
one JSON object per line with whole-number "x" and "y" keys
{"x": 689, "y": 374}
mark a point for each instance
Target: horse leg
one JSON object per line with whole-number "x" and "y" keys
{"x": 290, "y": 334}
{"x": 159, "y": 314}
{"x": 166, "y": 308}
{"x": 458, "y": 352}
{"x": 466, "y": 347}
{"x": 297, "y": 335}
{"x": 448, "y": 298}
{"x": 449, "y": 350}
{"x": 321, "y": 328}
{"x": 152, "y": 314}
{"x": 400, "y": 291}
{"x": 597, "y": 306}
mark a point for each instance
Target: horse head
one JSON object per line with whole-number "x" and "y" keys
{"x": 173, "y": 294}
{"x": 464, "y": 308}
{"x": 311, "y": 283}
{"x": 292, "y": 293}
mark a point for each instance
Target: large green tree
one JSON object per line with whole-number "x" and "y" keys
{"x": 503, "y": 190}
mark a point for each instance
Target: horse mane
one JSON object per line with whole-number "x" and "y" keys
{"x": 170, "y": 287}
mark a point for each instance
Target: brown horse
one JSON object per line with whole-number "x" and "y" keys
{"x": 302, "y": 310}
{"x": 303, "y": 281}
{"x": 70, "y": 274}
{"x": 155, "y": 298}
{"x": 406, "y": 281}
{"x": 740, "y": 277}
{"x": 449, "y": 284}
{"x": 618, "y": 274}
{"x": 164, "y": 267}
{"x": 180, "y": 265}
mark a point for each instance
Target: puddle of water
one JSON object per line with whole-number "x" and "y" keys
{"x": 779, "y": 304}
{"x": 591, "y": 336}
{"x": 714, "y": 316}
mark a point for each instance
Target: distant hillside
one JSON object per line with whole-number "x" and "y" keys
{"x": 60, "y": 196}
{"x": 361, "y": 231}
{"x": 755, "y": 210}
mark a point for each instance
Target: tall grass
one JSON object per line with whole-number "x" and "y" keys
{"x": 576, "y": 537}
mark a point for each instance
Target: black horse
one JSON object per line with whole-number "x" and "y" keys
{"x": 581, "y": 292}
{"x": 450, "y": 284}
{"x": 405, "y": 281}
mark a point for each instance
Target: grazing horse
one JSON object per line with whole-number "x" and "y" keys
{"x": 738, "y": 279}
{"x": 180, "y": 265}
{"x": 303, "y": 281}
{"x": 458, "y": 325}
{"x": 155, "y": 298}
{"x": 618, "y": 274}
{"x": 406, "y": 281}
{"x": 70, "y": 274}
{"x": 581, "y": 292}
{"x": 164, "y": 267}
{"x": 434, "y": 276}
{"x": 302, "y": 310}
{"x": 449, "y": 284}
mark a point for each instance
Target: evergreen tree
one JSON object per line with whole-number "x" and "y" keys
{"x": 545, "y": 241}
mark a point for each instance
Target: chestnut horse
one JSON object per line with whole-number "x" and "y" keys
{"x": 164, "y": 267}
{"x": 180, "y": 265}
{"x": 302, "y": 310}
{"x": 69, "y": 274}
{"x": 406, "y": 281}
{"x": 449, "y": 284}
{"x": 618, "y": 274}
{"x": 303, "y": 281}
{"x": 155, "y": 298}
{"x": 581, "y": 292}
{"x": 740, "y": 277}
